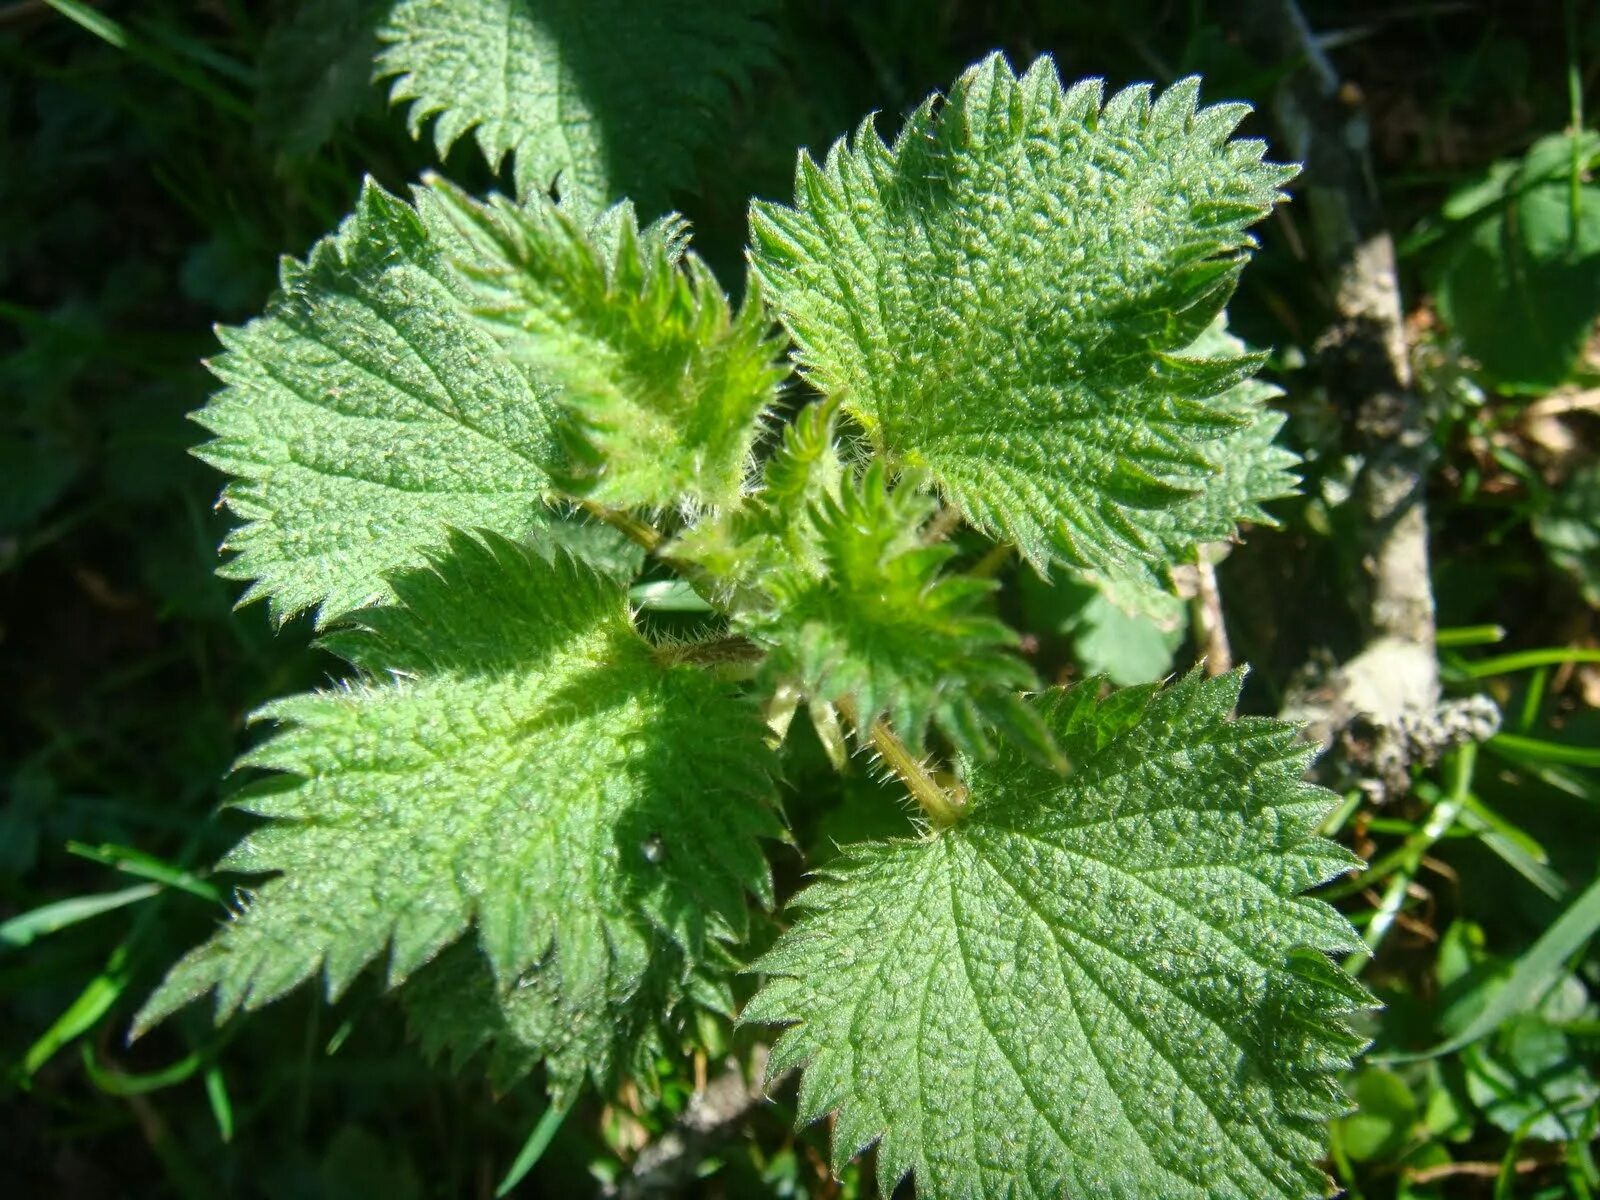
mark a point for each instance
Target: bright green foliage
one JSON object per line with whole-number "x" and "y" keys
{"x": 1096, "y": 987}
{"x": 661, "y": 388}
{"x": 1003, "y": 296}
{"x": 602, "y": 99}
{"x": 365, "y": 411}
{"x": 515, "y": 759}
{"x": 1252, "y": 468}
{"x": 1102, "y": 983}
{"x": 772, "y": 530}
{"x": 1520, "y": 280}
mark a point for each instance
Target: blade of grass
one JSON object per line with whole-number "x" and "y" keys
{"x": 533, "y": 1149}
{"x": 1518, "y": 849}
{"x": 1533, "y": 975}
{"x": 1446, "y": 809}
{"x": 24, "y": 928}
{"x": 1520, "y": 746}
{"x": 1469, "y": 635}
{"x": 114, "y": 33}
{"x": 146, "y": 866}
{"x": 114, "y": 1082}
{"x": 221, "y": 1104}
{"x": 83, "y": 1013}
{"x": 1533, "y": 699}
{"x": 1522, "y": 660}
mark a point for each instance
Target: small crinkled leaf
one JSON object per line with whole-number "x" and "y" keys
{"x": 1108, "y": 986}
{"x": 1004, "y": 297}
{"x": 828, "y": 569}
{"x": 659, "y": 386}
{"x": 515, "y": 759}
{"x": 772, "y": 530}
{"x": 602, "y": 99}
{"x": 1520, "y": 283}
{"x": 882, "y": 625}
{"x": 365, "y": 411}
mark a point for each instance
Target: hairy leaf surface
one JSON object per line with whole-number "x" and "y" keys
{"x": 604, "y": 99}
{"x": 365, "y": 411}
{"x": 1103, "y": 987}
{"x": 459, "y": 1014}
{"x": 515, "y": 760}
{"x": 828, "y": 569}
{"x": 660, "y": 387}
{"x": 1253, "y": 469}
{"x": 1003, "y": 297}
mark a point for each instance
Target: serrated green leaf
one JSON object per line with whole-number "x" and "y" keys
{"x": 1004, "y": 295}
{"x": 515, "y": 759}
{"x": 602, "y": 99}
{"x": 1108, "y": 986}
{"x": 1252, "y": 470}
{"x": 660, "y": 387}
{"x": 365, "y": 411}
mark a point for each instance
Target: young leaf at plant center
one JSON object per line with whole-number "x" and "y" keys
{"x": 601, "y": 99}
{"x": 1108, "y": 986}
{"x": 660, "y": 387}
{"x": 516, "y": 760}
{"x": 828, "y": 569}
{"x": 365, "y": 411}
{"x": 1520, "y": 283}
{"x": 1005, "y": 296}
{"x": 772, "y": 529}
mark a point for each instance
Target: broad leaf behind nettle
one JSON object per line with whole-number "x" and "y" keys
{"x": 1094, "y": 972}
{"x": 1003, "y": 297}
{"x": 600, "y": 99}
{"x": 1093, "y": 987}
{"x": 512, "y": 760}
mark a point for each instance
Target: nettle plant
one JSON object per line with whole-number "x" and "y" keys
{"x": 463, "y": 429}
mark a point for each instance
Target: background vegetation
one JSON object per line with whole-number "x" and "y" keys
{"x": 155, "y": 158}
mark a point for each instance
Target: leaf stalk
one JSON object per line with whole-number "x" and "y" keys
{"x": 942, "y": 809}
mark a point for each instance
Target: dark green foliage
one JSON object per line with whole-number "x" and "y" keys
{"x": 1521, "y": 283}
